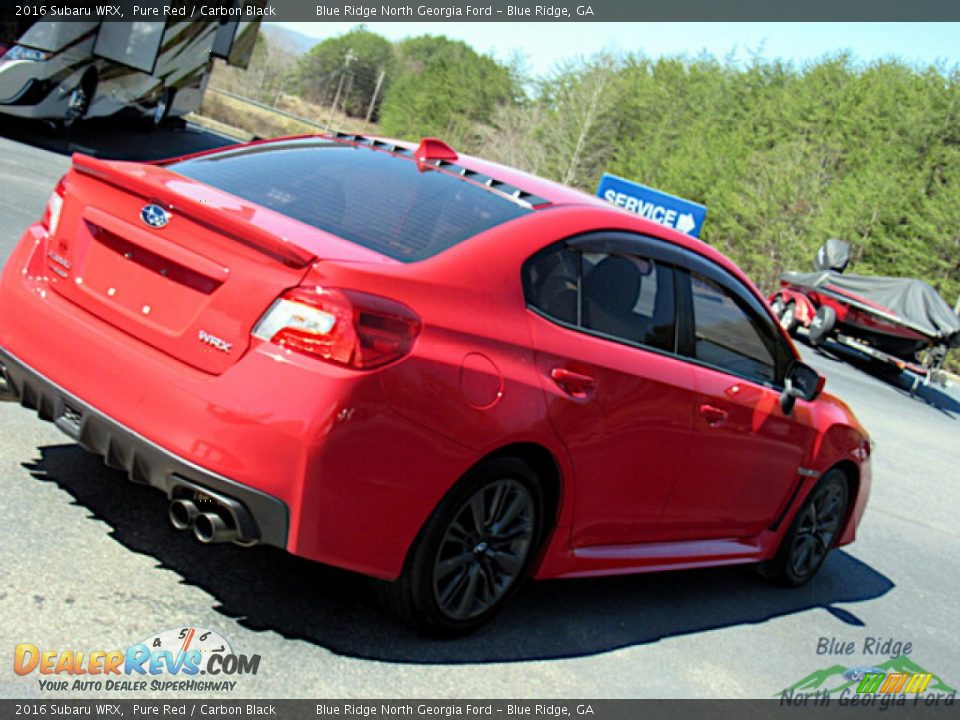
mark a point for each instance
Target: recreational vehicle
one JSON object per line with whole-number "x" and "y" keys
{"x": 68, "y": 70}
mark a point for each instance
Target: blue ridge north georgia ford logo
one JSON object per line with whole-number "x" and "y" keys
{"x": 154, "y": 216}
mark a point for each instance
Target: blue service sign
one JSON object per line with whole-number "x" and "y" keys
{"x": 670, "y": 210}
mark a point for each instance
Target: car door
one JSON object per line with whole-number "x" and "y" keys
{"x": 743, "y": 463}
{"x": 603, "y": 321}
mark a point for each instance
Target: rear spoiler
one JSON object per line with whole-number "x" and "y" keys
{"x": 130, "y": 178}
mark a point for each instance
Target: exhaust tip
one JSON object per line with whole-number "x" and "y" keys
{"x": 182, "y": 514}
{"x": 211, "y": 528}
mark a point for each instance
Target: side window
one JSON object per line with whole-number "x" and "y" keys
{"x": 622, "y": 297}
{"x": 629, "y": 298}
{"x": 728, "y": 335}
{"x": 551, "y": 283}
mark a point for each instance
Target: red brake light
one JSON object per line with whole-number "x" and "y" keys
{"x": 347, "y": 327}
{"x": 51, "y": 213}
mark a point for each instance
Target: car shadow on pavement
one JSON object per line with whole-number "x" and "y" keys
{"x": 266, "y": 589}
{"x": 115, "y": 138}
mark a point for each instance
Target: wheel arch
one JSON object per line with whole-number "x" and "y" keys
{"x": 544, "y": 465}
{"x": 547, "y": 469}
{"x": 852, "y": 474}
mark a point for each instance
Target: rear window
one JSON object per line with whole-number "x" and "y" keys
{"x": 369, "y": 197}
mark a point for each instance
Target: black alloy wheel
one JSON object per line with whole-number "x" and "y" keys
{"x": 484, "y": 549}
{"x": 473, "y": 552}
{"x": 813, "y": 532}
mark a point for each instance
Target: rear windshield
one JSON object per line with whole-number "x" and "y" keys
{"x": 369, "y": 197}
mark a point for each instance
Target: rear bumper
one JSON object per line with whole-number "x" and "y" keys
{"x": 265, "y": 517}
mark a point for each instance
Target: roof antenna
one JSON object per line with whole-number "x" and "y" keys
{"x": 434, "y": 149}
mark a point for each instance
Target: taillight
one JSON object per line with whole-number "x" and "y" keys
{"x": 347, "y": 327}
{"x": 51, "y": 214}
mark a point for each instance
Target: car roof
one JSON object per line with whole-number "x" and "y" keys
{"x": 536, "y": 192}
{"x": 553, "y": 192}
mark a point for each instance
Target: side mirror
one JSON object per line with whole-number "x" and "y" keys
{"x": 801, "y": 381}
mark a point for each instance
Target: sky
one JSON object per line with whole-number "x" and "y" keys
{"x": 546, "y": 44}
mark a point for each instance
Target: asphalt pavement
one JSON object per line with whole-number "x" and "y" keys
{"x": 89, "y": 561}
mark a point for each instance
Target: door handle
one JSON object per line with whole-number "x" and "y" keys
{"x": 713, "y": 415}
{"x": 574, "y": 384}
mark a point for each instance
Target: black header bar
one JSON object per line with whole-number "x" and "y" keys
{"x": 436, "y": 11}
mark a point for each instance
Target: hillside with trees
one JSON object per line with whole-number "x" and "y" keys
{"x": 783, "y": 156}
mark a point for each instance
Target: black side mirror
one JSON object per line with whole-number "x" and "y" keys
{"x": 801, "y": 381}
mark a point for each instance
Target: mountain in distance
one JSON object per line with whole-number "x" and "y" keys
{"x": 295, "y": 42}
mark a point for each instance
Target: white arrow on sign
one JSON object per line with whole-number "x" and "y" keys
{"x": 685, "y": 223}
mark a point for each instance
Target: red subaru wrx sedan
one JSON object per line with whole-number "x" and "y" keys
{"x": 431, "y": 369}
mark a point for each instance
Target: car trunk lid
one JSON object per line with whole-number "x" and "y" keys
{"x": 192, "y": 286}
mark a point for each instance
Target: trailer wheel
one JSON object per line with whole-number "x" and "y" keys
{"x": 822, "y": 325}
{"x": 788, "y": 318}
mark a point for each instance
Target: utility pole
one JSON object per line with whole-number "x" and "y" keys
{"x": 348, "y": 58}
{"x": 376, "y": 91}
{"x": 283, "y": 86}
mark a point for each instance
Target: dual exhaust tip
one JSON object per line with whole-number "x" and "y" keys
{"x": 209, "y": 526}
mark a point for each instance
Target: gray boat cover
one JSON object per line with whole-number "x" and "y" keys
{"x": 912, "y": 300}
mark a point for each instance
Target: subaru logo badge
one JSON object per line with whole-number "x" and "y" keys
{"x": 154, "y": 216}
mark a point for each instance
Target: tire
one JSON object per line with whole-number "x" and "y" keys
{"x": 778, "y": 306}
{"x": 788, "y": 318}
{"x": 810, "y": 536}
{"x": 822, "y": 325}
{"x": 462, "y": 568}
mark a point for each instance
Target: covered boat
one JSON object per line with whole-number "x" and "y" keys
{"x": 897, "y": 316}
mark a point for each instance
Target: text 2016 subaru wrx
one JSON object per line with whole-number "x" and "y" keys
{"x": 431, "y": 369}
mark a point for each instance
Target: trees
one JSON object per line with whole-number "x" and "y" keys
{"x": 347, "y": 68}
{"x": 782, "y": 156}
{"x": 581, "y": 102}
{"x": 266, "y": 77}
{"x": 445, "y": 88}
{"x": 785, "y": 157}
